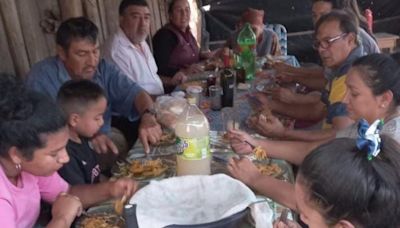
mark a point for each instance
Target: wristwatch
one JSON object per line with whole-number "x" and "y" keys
{"x": 150, "y": 111}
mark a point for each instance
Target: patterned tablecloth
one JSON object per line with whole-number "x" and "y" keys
{"x": 243, "y": 100}
{"x": 221, "y": 152}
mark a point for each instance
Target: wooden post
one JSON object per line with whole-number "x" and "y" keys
{"x": 102, "y": 14}
{"x": 33, "y": 35}
{"x": 16, "y": 42}
{"x": 163, "y": 12}
{"x": 111, "y": 15}
{"x": 70, "y": 8}
{"x": 92, "y": 12}
{"x": 6, "y": 63}
{"x": 49, "y": 8}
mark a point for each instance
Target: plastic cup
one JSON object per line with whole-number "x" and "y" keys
{"x": 215, "y": 97}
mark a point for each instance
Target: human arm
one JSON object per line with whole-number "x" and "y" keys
{"x": 91, "y": 194}
{"x": 271, "y": 126}
{"x": 149, "y": 129}
{"x": 291, "y": 151}
{"x": 289, "y": 224}
{"x": 279, "y": 191}
{"x": 312, "y": 77}
{"x": 177, "y": 79}
{"x": 312, "y": 72}
{"x": 287, "y": 96}
{"x": 128, "y": 99}
{"x": 64, "y": 210}
{"x": 313, "y": 111}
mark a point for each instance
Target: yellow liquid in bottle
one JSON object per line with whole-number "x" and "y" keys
{"x": 192, "y": 129}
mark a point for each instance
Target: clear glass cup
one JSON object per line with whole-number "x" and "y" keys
{"x": 215, "y": 96}
{"x": 230, "y": 118}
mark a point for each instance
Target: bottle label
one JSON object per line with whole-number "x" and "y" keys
{"x": 193, "y": 148}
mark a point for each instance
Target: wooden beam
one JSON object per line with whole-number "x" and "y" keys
{"x": 50, "y": 9}
{"x": 6, "y": 63}
{"x": 103, "y": 21}
{"x": 111, "y": 16}
{"x": 16, "y": 42}
{"x": 92, "y": 12}
{"x": 32, "y": 32}
{"x": 70, "y": 8}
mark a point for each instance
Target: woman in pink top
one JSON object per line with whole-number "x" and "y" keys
{"x": 33, "y": 135}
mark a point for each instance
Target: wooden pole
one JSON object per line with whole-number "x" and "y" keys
{"x": 103, "y": 21}
{"x": 92, "y": 12}
{"x": 6, "y": 63}
{"x": 111, "y": 15}
{"x": 70, "y": 8}
{"x": 15, "y": 39}
{"x": 50, "y": 9}
{"x": 33, "y": 34}
{"x": 163, "y": 12}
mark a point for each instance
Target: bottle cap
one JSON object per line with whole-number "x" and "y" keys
{"x": 191, "y": 100}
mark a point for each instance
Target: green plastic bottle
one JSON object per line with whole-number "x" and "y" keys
{"x": 247, "y": 43}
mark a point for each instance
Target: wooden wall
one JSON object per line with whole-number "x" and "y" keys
{"x": 27, "y": 27}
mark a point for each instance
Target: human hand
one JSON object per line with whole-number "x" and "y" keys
{"x": 282, "y": 67}
{"x": 103, "y": 144}
{"x": 179, "y": 78}
{"x": 269, "y": 126}
{"x": 283, "y": 94}
{"x": 194, "y": 69}
{"x": 238, "y": 141}
{"x": 290, "y": 224}
{"x": 66, "y": 208}
{"x": 244, "y": 170}
{"x": 284, "y": 77}
{"x": 123, "y": 187}
{"x": 149, "y": 131}
{"x": 262, "y": 98}
{"x": 210, "y": 54}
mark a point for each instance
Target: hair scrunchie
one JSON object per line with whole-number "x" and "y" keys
{"x": 368, "y": 139}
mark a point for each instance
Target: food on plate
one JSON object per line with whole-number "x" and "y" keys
{"x": 260, "y": 153}
{"x": 167, "y": 138}
{"x": 102, "y": 221}
{"x": 119, "y": 205}
{"x": 142, "y": 168}
{"x": 269, "y": 169}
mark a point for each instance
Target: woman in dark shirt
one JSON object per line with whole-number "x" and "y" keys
{"x": 175, "y": 47}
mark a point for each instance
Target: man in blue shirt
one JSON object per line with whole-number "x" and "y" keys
{"x": 78, "y": 57}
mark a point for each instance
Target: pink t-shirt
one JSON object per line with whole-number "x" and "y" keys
{"x": 20, "y": 206}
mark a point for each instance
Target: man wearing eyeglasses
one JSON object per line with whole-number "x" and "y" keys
{"x": 337, "y": 44}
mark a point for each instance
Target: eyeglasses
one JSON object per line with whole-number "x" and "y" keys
{"x": 328, "y": 42}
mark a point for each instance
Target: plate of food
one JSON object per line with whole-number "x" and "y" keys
{"x": 168, "y": 138}
{"x": 143, "y": 169}
{"x": 99, "y": 217}
{"x": 269, "y": 168}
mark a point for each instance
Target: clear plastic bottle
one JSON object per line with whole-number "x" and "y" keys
{"x": 192, "y": 132}
{"x": 247, "y": 43}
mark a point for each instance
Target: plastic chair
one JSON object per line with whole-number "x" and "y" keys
{"x": 281, "y": 31}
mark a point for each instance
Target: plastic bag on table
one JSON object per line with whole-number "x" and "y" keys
{"x": 168, "y": 109}
{"x": 201, "y": 201}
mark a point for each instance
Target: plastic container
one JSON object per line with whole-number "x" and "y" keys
{"x": 192, "y": 132}
{"x": 247, "y": 43}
